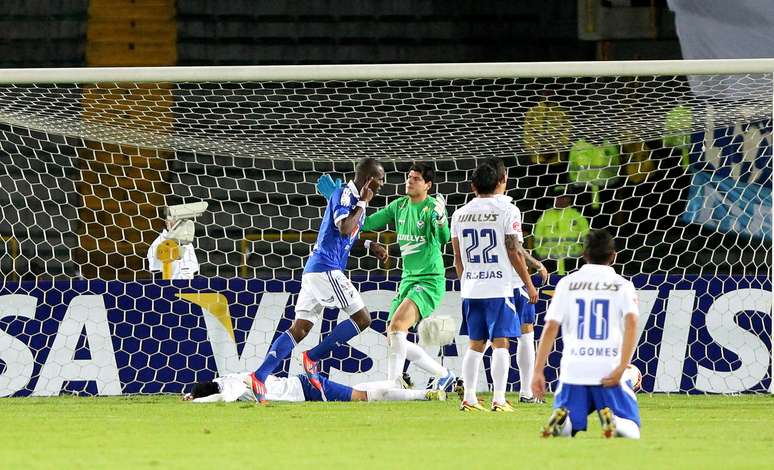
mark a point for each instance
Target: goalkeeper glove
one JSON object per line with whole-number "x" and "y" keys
{"x": 326, "y": 185}
{"x": 439, "y": 211}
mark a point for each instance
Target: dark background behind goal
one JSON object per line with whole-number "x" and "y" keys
{"x": 44, "y": 203}
{"x": 58, "y": 33}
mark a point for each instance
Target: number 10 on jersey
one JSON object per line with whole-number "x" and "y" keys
{"x": 597, "y": 308}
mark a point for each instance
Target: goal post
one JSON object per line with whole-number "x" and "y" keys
{"x": 673, "y": 157}
{"x": 278, "y": 73}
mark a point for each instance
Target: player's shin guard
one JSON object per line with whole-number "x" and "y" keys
{"x": 342, "y": 333}
{"x": 525, "y": 359}
{"x": 396, "y": 354}
{"x": 279, "y": 350}
{"x": 501, "y": 363}
{"x": 626, "y": 428}
{"x": 470, "y": 367}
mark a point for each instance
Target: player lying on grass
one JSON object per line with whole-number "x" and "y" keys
{"x": 237, "y": 387}
{"x": 422, "y": 230}
{"x": 597, "y": 310}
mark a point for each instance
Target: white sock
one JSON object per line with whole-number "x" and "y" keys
{"x": 395, "y": 394}
{"x": 396, "y": 354}
{"x": 501, "y": 363}
{"x": 566, "y": 430}
{"x": 419, "y": 357}
{"x": 626, "y": 428}
{"x": 379, "y": 384}
{"x": 470, "y": 365}
{"x": 525, "y": 359}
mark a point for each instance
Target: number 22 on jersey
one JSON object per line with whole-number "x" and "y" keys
{"x": 476, "y": 237}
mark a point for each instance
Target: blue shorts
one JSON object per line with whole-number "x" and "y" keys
{"x": 525, "y": 309}
{"x": 490, "y": 318}
{"x": 333, "y": 391}
{"x": 580, "y": 400}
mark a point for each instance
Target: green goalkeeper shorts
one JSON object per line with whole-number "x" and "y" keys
{"x": 426, "y": 293}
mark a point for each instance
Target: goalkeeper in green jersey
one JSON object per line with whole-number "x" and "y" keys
{"x": 422, "y": 230}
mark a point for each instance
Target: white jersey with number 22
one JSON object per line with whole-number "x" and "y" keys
{"x": 480, "y": 227}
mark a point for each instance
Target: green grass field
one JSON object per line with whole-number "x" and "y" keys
{"x": 162, "y": 432}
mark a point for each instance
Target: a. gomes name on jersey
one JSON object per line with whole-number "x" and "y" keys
{"x": 483, "y": 274}
{"x": 593, "y": 351}
{"x": 478, "y": 218}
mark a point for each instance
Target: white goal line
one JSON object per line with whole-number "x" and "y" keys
{"x": 386, "y": 71}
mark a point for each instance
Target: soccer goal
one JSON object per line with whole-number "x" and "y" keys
{"x": 673, "y": 157}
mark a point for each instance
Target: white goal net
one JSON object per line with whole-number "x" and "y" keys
{"x": 673, "y": 158}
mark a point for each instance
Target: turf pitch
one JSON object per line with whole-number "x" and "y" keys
{"x": 678, "y": 431}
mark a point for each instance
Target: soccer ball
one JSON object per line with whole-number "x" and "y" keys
{"x": 633, "y": 375}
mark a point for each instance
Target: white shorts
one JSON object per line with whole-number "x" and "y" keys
{"x": 331, "y": 289}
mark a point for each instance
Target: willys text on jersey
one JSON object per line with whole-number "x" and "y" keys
{"x": 613, "y": 287}
{"x": 478, "y": 218}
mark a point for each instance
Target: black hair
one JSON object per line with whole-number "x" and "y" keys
{"x": 485, "y": 179}
{"x": 367, "y": 167}
{"x": 598, "y": 247}
{"x": 425, "y": 169}
{"x": 497, "y": 164}
{"x": 204, "y": 389}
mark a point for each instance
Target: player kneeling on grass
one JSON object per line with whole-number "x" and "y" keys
{"x": 234, "y": 387}
{"x": 597, "y": 310}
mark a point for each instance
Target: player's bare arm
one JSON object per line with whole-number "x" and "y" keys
{"x": 536, "y": 265}
{"x": 378, "y": 250}
{"x": 550, "y": 332}
{"x": 458, "y": 267}
{"x": 627, "y": 350}
{"x": 517, "y": 258}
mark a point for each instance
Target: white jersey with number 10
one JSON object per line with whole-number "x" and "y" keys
{"x": 480, "y": 227}
{"x": 590, "y": 305}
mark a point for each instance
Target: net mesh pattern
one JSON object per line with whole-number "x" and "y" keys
{"x": 85, "y": 169}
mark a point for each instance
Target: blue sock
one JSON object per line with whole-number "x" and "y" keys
{"x": 340, "y": 334}
{"x": 279, "y": 350}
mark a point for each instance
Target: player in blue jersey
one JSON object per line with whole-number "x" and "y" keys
{"x": 323, "y": 284}
{"x": 597, "y": 311}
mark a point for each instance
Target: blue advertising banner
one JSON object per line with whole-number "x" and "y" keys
{"x": 741, "y": 152}
{"x": 731, "y": 185}
{"x": 698, "y": 334}
{"x": 728, "y": 205}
